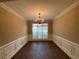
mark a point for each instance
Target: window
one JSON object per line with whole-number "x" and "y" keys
{"x": 40, "y": 31}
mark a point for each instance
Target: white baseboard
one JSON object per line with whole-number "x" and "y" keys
{"x": 70, "y": 48}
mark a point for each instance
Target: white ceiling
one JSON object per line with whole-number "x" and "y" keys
{"x": 29, "y": 9}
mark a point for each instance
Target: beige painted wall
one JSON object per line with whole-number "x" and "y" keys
{"x": 29, "y": 23}
{"x": 11, "y": 26}
{"x": 67, "y": 26}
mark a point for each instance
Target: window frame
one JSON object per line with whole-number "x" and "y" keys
{"x": 40, "y": 25}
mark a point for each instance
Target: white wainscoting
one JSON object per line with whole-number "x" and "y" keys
{"x": 70, "y": 48}
{"x": 0, "y": 54}
{"x": 9, "y": 50}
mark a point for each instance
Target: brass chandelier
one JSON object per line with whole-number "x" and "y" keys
{"x": 39, "y": 20}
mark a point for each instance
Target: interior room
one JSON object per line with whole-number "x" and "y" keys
{"x": 39, "y": 29}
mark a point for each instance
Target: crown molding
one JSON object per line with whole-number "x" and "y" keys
{"x": 4, "y": 6}
{"x": 68, "y": 9}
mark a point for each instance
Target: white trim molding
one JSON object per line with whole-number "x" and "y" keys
{"x": 69, "y": 47}
{"x": 68, "y": 9}
{"x": 10, "y": 10}
{"x": 8, "y": 50}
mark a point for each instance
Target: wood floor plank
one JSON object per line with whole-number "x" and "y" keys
{"x": 40, "y": 50}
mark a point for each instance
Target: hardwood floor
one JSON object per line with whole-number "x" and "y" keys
{"x": 40, "y": 50}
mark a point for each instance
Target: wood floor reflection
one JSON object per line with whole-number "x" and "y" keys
{"x": 40, "y": 50}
